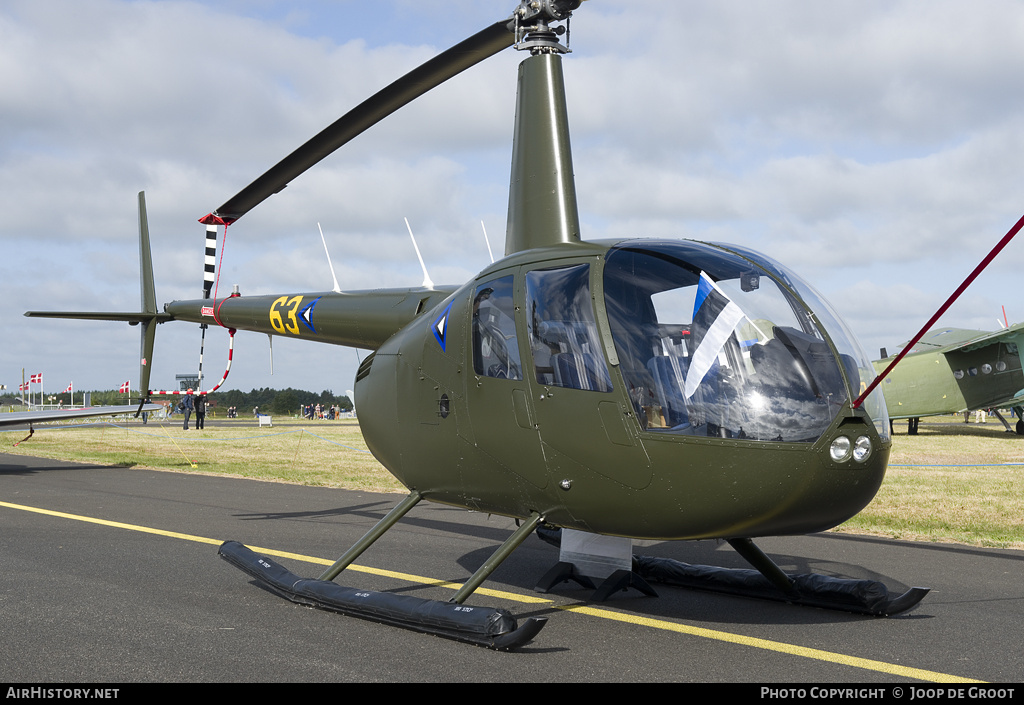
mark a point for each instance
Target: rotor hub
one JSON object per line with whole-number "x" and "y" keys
{"x": 533, "y": 29}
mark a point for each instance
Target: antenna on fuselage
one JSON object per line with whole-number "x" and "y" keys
{"x": 427, "y": 284}
{"x": 337, "y": 289}
{"x": 489, "y": 251}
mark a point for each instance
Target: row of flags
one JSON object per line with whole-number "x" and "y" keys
{"x": 32, "y": 379}
{"x": 38, "y": 379}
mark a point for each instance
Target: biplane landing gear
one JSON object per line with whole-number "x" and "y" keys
{"x": 1019, "y": 427}
{"x": 483, "y": 626}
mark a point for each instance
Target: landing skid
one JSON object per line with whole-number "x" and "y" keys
{"x": 868, "y": 597}
{"x": 482, "y": 626}
{"x": 767, "y": 582}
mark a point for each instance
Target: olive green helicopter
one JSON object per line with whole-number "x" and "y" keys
{"x": 644, "y": 389}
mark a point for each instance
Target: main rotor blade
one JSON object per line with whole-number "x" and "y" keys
{"x": 427, "y": 76}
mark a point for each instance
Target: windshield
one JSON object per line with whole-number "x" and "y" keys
{"x": 859, "y": 370}
{"x": 709, "y": 345}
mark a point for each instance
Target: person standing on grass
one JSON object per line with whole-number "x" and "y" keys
{"x": 200, "y": 405}
{"x": 189, "y": 407}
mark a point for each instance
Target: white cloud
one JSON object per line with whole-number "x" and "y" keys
{"x": 865, "y": 144}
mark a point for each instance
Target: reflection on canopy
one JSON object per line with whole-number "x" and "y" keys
{"x": 710, "y": 345}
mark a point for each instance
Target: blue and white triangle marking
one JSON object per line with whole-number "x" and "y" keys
{"x": 306, "y": 314}
{"x": 440, "y": 327}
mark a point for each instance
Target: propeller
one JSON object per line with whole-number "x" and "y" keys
{"x": 420, "y": 80}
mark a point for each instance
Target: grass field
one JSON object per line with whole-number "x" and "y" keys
{"x": 322, "y": 453}
{"x": 952, "y": 482}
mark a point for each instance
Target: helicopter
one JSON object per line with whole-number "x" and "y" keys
{"x": 642, "y": 389}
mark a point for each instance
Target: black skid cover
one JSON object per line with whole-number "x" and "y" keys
{"x": 859, "y": 596}
{"x": 484, "y": 626}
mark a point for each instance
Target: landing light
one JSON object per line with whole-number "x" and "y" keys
{"x": 862, "y": 449}
{"x": 840, "y": 449}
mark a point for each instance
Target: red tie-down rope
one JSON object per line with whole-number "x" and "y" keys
{"x": 231, "y": 352}
{"x": 949, "y": 302}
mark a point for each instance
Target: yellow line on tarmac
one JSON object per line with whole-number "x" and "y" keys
{"x": 115, "y": 524}
{"x": 817, "y": 654}
{"x": 601, "y": 613}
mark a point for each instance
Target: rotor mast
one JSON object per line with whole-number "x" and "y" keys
{"x": 542, "y": 209}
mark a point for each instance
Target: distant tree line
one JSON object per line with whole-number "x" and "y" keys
{"x": 284, "y": 401}
{"x": 10, "y": 400}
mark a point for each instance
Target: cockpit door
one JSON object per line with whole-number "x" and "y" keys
{"x": 572, "y": 389}
{"x": 498, "y": 392}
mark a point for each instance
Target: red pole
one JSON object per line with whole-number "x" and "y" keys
{"x": 949, "y": 302}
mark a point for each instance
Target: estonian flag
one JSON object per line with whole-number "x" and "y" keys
{"x": 714, "y": 318}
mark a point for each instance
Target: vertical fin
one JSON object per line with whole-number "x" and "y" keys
{"x": 145, "y": 259}
{"x": 148, "y": 300}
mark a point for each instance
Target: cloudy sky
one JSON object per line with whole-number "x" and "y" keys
{"x": 877, "y": 148}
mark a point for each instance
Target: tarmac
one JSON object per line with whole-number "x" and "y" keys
{"x": 112, "y": 575}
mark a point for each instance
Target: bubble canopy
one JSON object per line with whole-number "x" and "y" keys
{"x": 728, "y": 343}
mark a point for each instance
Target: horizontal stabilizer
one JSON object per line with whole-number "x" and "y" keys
{"x": 122, "y": 316}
